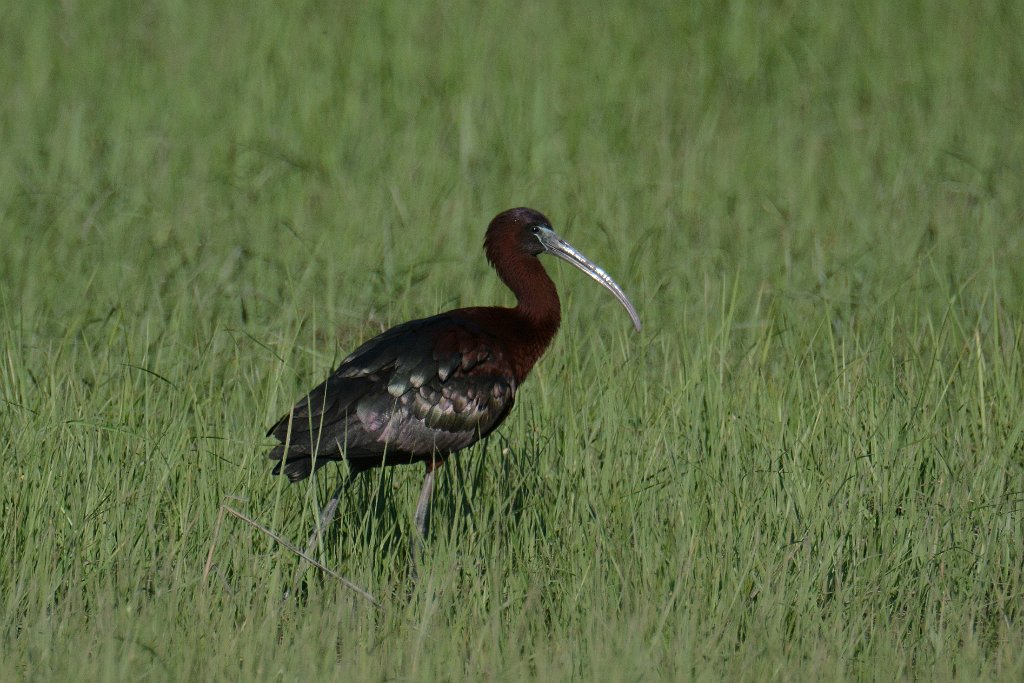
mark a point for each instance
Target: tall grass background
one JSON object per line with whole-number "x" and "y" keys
{"x": 810, "y": 464}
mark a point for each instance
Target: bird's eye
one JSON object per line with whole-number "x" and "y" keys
{"x": 535, "y": 229}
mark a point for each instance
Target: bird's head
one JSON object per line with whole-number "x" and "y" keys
{"x": 526, "y": 232}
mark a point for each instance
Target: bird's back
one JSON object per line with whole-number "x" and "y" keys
{"x": 419, "y": 391}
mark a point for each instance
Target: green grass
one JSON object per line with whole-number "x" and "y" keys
{"x": 810, "y": 464}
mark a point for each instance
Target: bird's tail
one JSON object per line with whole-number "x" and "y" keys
{"x": 296, "y": 466}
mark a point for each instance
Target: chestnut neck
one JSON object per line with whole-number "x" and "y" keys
{"x": 538, "y": 312}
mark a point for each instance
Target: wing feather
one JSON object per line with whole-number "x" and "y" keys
{"x": 425, "y": 388}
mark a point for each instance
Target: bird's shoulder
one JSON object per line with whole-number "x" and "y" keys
{"x": 458, "y": 344}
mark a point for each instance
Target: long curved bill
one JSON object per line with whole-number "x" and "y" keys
{"x": 556, "y": 246}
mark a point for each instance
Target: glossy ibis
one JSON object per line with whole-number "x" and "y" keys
{"x": 426, "y": 389}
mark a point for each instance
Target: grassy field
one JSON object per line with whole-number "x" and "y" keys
{"x": 809, "y": 465}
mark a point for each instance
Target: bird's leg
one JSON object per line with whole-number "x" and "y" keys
{"x": 324, "y": 520}
{"x": 422, "y": 516}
